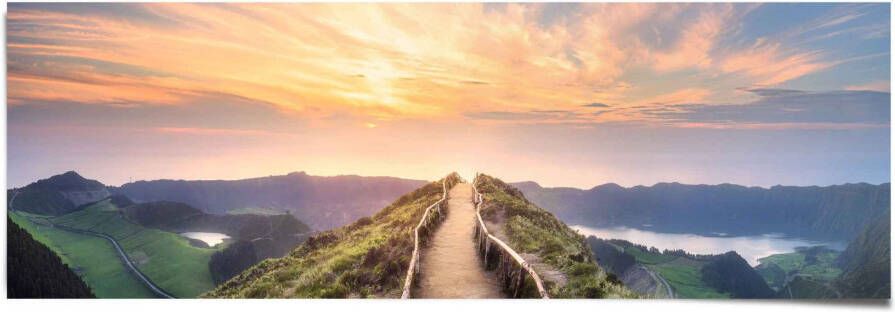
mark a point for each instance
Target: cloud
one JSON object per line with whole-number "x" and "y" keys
{"x": 596, "y": 105}
{"x": 773, "y": 92}
{"x": 789, "y": 109}
{"x": 687, "y": 95}
{"x": 692, "y": 49}
{"x": 879, "y": 86}
{"x": 214, "y": 131}
{"x": 769, "y": 63}
{"x": 389, "y": 62}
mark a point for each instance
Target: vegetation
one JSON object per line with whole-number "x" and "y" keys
{"x": 810, "y": 264}
{"x": 93, "y": 258}
{"x": 535, "y": 231}
{"x": 34, "y": 271}
{"x": 255, "y": 237}
{"x": 689, "y": 275}
{"x": 866, "y": 263}
{"x": 730, "y": 273}
{"x": 168, "y": 259}
{"x": 367, "y": 258}
{"x": 256, "y": 210}
{"x": 235, "y": 258}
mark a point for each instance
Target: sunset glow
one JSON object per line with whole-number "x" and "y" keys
{"x": 573, "y": 95}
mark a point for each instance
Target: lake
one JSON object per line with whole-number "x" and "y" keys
{"x": 750, "y": 248}
{"x": 212, "y": 239}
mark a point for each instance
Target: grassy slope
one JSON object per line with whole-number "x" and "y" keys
{"x": 824, "y": 268}
{"x": 532, "y": 229}
{"x": 683, "y": 275}
{"x": 166, "y": 258}
{"x": 365, "y": 259}
{"x": 93, "y": 258}
{"x": 256, "y": 210}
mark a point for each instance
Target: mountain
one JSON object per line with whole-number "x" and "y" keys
{"x": 836, "y": 212}
{"x": 559, "y": 254}
{"x": 57, "y": 195}
{"x": 321, "y": 202}
{"x": 34, "y": 271}
{"x": 678, "y": 274}
{"x": 866, "y": 263}
{"x": 367, "y": 258}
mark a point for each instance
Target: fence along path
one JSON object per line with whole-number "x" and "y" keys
{"x": 433, "y": 215}
{"x": 511, "y": 268}
{"x": 456, "y": 266}
{"x": 451, "y": 268}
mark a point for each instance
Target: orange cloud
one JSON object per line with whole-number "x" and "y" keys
{"x": 383, "y": 62}
{"x": 771, "y": 65}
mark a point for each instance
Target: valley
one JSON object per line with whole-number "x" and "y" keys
{"x": 167, "y": 259}
{"x": 254, "y": 250}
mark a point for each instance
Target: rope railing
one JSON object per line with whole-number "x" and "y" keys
{"x": 435, "y": 210}
{"x": 512, "y": 277}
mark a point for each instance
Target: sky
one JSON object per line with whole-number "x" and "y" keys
{"x": 562, "y": 94}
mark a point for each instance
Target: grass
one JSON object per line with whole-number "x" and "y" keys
{"x": 93, "y": 258}
{"x": 533, "y": 230}
{"x": 686, "y": 280}
{"x": 813, "y": 265}
{"x": 649, "y": 258}
{"x": 256, "y": 210}
{"x": 366, "y": 259}
{"x": 684, "y": 275}
{"x": 166, "y": 258}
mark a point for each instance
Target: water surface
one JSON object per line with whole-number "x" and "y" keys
{"x": 212, "y": 239}
{"x": 750, "y": 248}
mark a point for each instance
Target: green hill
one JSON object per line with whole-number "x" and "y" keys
{"x": 559, "y": 254}
{"x": 166, "y": 258}
{"x": 367, "y": 258}
{"x": 57, "y": 195}
{"x": 34, "y": 271}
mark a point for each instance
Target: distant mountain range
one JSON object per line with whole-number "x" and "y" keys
{"x": 321, "y": 202}
{"x": 838, "y": 212}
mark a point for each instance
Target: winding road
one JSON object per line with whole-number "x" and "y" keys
{"x": 121, "y": 254}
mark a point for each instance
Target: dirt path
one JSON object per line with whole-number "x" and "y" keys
{"x": 450, "y": 266}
